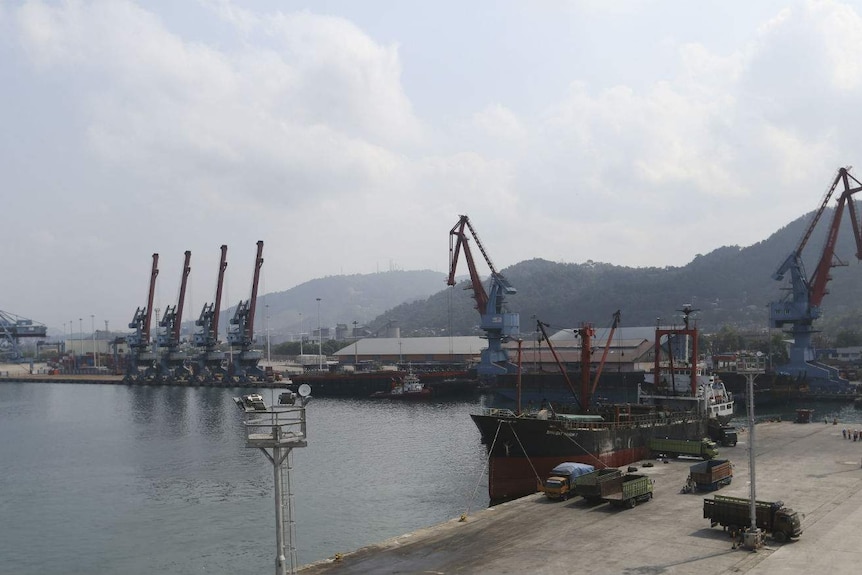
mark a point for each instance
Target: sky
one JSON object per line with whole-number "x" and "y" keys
{"x": 350, "y": 136}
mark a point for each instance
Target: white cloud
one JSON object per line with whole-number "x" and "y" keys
{"x": 128, "y": 133}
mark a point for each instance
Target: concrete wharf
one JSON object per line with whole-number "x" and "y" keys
{"x": 810, "y": 467}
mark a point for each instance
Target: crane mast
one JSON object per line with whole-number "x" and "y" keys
{"x": 209, "y": 364}
{"x": 208, "y": 321}
{"x": 801, "y": 306}
{"x": 241, "y": 334}
{"x": 171, "y": 322}
{"x": 172, "y": 361}
{"x": 497, "y": 324}
{"x": 139, "y": 341}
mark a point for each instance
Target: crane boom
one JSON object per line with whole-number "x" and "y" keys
{"x": 614, "y": 326}
{"x": 173, "y": 318}
{"x": 498, "y": 324}
{"x": 802, "y": 306}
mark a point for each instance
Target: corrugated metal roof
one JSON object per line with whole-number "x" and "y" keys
{"x": 621, "y": 333}
{"x": 460, "y": 345}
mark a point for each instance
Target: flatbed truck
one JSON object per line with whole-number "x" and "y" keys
{"x": 632, "y": 489}
{"x": 710, "y": 475}
{"x": 704, "y": 448}
{"x": 734, "y": 513}
{"x": 596, "y": 485}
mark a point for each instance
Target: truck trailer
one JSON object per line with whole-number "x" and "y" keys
{"x": 705, "y": 448}
{"x": 596, "y": 485}
{"x": 630, "y": 490}
{"x": 772, "y": 517}
{"x": 710, "y": 475}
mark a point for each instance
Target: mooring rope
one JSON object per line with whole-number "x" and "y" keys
{"x": 487, "y": 463}
{"x": 536, "y": 473}
{"x": 602, "y": 463}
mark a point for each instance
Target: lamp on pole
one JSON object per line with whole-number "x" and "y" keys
{"x": 81, "y": 334}
{"x": 319, "y": 339}
{"x": 300, "y": 333}
{"x": 93, "y": 324}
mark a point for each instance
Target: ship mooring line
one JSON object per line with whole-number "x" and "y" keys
{"x": 487, "y": 463}
{"x": 581, "y": 447}
{"x": 536, "y": 473}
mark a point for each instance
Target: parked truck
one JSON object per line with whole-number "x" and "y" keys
{"x": 709, "y": 475}
{"x": 596, "y": 485}
{"x": 734, "y": 513}
{"x": 724, "y": 435}
{"x": 630, "y": 490}
{"x": 561, "y": 482}
{"x": 704, "y": 448}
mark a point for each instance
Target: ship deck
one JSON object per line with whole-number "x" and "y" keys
{"x": 808, "y": 466}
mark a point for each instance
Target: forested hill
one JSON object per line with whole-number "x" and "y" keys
{"x": 730, "y": 286}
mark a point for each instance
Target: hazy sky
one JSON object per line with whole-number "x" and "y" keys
{"x": 350, "y": 135}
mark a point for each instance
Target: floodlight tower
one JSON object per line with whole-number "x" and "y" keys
{"x": 276, "y": 430}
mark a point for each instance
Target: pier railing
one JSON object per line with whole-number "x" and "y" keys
{"x": 278, "y": 426}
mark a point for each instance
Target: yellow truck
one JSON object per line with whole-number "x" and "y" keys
{"x": 561, "y": 481}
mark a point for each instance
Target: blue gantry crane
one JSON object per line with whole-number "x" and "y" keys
{"x": 497, "y": 323}
{"x": 801, "y": 304}
{"x": 12, "y": 329}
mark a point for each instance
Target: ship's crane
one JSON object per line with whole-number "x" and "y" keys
{"x": 172, "y": 363}
{"x": 497, "y": 324}
{"x": 140, "y": 352}
{"x": 209, "y": 362}
{"x": 241, "y": 332}
{"x": 12, "y": 329}
{"x": 801, "y": 306}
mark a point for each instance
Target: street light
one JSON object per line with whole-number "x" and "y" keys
{"x": 300, "y": 333}
{"x": 81, "y": 334}
{"x": 95, "y": 357}
{"x": 319, "y": 338}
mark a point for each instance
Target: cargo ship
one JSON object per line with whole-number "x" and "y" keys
{"x": 524, "y": 447}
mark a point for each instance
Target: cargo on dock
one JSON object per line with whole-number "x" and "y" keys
{"x": 811, "y": 468}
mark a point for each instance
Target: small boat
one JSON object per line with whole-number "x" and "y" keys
{"x": 410, "y": 387}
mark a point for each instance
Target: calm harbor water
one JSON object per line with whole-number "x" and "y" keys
{"x": 140, "y": 480}
{"x": 103, "y": 479}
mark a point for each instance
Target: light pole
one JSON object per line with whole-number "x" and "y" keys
{"x": 64, "y": 337}
{"x": 319, "y": 340}
{"x": 95, "y": 357}
{"x": 355, "y": 347}
{"x": 300, "y": 334}
{"x": 81, "y": 334}
{"x": 266, "y": 327}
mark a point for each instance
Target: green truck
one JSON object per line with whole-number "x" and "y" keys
{"x": 724, "y": 435}
{"x": 734, "y": 514}
{"x": 704, "y": 448}
{"x": 596, "y": 485}
{"x": 630, "y": 490}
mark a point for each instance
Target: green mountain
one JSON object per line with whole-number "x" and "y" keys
{"x": 731, "y": 286}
